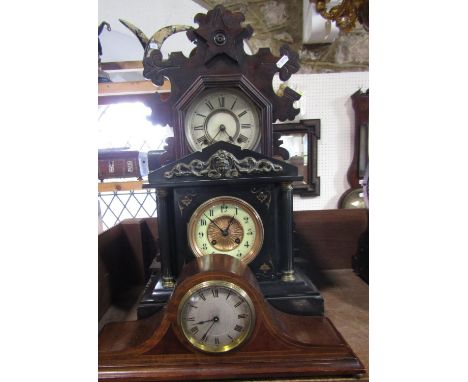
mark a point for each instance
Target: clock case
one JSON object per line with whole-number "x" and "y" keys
{"x": 266, "y": 184}
{"x": 219, "y": 61}
{"x": 279, "y": 346}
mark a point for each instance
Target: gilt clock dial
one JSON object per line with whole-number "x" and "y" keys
{"x": 216, "y": 316}
{"x": 222, "y": 115}
{"x": 226, "y": 225}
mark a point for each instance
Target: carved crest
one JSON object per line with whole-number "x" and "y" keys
{"x": 219, "y": 50}
{"x": 223, "y": 164}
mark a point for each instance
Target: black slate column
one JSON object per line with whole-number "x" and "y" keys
{"x": 286, "y": 213}
{"x": 164, "y": 240}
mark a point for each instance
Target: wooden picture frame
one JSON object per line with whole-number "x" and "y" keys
{"x": 305, "y": 129}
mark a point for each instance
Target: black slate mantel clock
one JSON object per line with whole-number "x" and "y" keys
{"x": 234, "y": 202}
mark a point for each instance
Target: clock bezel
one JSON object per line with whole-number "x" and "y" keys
{"x": 260, "y": 233}
{"x": 190, "y": 141}
{"x": 225, "y": 284}
{"x": 236, "y": 82}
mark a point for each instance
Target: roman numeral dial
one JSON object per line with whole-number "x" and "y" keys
{"x": 219, "y": 323}
{"x": 222, "y": 115}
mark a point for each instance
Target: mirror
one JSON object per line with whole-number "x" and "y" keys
{"x": 296, "y": 143}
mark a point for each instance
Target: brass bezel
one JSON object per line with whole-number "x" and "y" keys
{"x": 211, "y": 348}
{"x": 254, "y": 250}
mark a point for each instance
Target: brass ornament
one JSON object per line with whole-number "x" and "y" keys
{"x": 223, "y": 164}
{"x": 264, "y": 268}
{"x": 185, "y": 201}
{"x": 168, "y": 282}
{"x": 263, "y": 195}
{"x": 344, "y": 14}
{"x": 288, "y": 276}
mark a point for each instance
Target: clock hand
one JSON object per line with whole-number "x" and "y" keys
{"x": 230, "y": 221}
{"x": 203, "y": 322}
{"x": 217, "y": 134}
{"x": 214, "y": 223}
{"x": 230, "y": 138}
{"x": 215, "y": 320}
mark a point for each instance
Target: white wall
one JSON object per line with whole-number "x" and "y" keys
{"x": 327, "y": 97}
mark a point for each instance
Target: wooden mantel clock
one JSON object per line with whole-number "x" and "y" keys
{"x": 217, "y": 325}
{"x": 220, "y": 93}
{"x": 233, "y": 201}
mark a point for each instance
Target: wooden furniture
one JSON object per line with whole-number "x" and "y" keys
{"x": 126, "y": 252}
{"x": 306, "y": 162}
{"x": 156, "y": 349}
{"x": 353, "y": 197}
{"x": 328, "y": 240}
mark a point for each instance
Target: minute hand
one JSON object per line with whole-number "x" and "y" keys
{"x": 222, "y": 230}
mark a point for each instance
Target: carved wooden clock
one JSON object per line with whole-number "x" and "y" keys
{"x": 220, "y": 93}
{"x": 217, "y": 325}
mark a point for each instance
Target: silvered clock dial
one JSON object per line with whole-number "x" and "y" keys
{"x": 222, "y": 115}
{"x": 226, "y": 225}
{"x": 216, "y": 316}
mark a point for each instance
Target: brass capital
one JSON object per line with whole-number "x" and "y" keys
{"x": 286, "y": 186}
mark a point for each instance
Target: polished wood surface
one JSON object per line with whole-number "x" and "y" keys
{"x": 329, "y": 239}
{"x": 281, "y": 344}
{"x": 125, "y": 253}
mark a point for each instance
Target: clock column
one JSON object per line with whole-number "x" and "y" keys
{"x": 286, "y": 210}
{"x": 164, "y": 238}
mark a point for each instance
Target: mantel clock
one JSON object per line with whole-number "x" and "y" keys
{"x": 236, "y": 202}
{"x": 217, "y": 325}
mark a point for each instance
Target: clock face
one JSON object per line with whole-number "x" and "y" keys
{"x": 216, "y": 316}
{"x": 226, "y": 225}
{"x": 222, "y": 115}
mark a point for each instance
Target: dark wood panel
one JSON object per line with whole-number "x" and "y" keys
{"x": 125, "y": 255}
{"x": 329, "y": 239}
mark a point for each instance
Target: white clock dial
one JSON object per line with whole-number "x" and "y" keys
{"x": 222, "y": 115}
{"x": 226, "y": 225}
{"x": 216, "y": 316}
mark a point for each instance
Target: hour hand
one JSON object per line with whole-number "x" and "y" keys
{"x": 202, "y": 322}
{"x": 230, "y": 222}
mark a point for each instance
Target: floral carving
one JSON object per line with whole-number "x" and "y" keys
{"x": 223, "y": 164}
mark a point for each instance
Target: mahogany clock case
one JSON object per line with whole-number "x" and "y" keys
{"x": 280, "y": 345}
{"x": 268, "y": 192}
